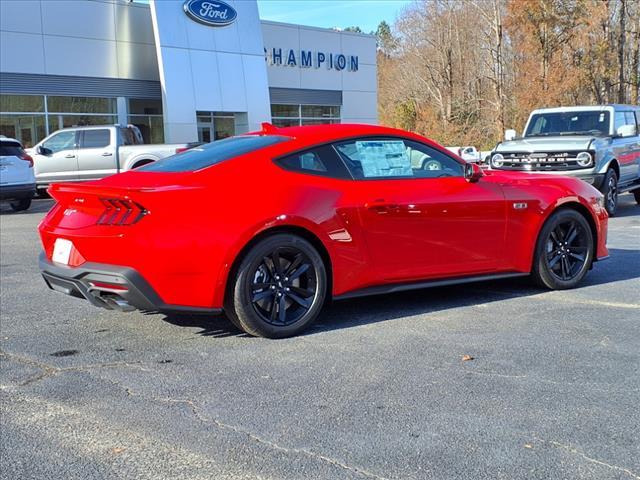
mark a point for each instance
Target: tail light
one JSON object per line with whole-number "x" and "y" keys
{"x": 25, "y": 156}
{"x": 121, "y": 212}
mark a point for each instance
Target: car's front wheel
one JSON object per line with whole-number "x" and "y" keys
{"x": 279, "y": 287}
{"x": 564, "y": 250}
{"x": 610, "y": 192}
{"x": 21, "y": 205}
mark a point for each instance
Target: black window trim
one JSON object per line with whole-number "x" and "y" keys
{"x": 333, "y": 144}
{"x": 279, "y": 162}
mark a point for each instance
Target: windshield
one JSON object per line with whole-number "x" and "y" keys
{"x": 590, "y": 122}
{"x": 212, "y": 153}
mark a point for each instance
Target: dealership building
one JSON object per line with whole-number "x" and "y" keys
{"x": 194, "y": 70}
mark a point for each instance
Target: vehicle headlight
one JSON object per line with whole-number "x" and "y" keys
{"x": 584, "y": 159}
{"x": 497, "y": 160}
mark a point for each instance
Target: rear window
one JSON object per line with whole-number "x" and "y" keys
{"x": 206, "y": 155}
{"x": 10, "y": 149}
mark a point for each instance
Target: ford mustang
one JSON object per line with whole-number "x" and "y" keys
{"x": 270, "y": 226}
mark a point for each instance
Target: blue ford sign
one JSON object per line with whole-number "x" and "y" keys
{"x": 210, "y": 12}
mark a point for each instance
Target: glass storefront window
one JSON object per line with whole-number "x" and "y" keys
{"x": 21, "y": 103}
{"x": 215, "y": 126}
{"x": 143, "y": 106}
{"x": 285, "y": 110}
{"x": 56, "y": 122}
{"x": 81, "y": 105}
{"x": 286, "y": 122}
{"x": 296, "y": 115}
{"x": 151, "y": 127}
{"x": 316, "y": 111}
{"x": 28, "y": 129}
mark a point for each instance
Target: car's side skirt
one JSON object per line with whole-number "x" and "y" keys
{"x": 400, "y": 287}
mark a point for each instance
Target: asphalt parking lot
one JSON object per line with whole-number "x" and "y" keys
{"x": 378, "y": 389}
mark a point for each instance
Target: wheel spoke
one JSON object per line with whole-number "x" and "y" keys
{"x": 304, "y": 293}
{"x": 257, "y": 296}
{"x": 566, "y": 268}
{"x": 555, "y": 238}
{"x": 303, "y": 268}
{"x": 571, "y": 235}
{"x": 293, "y": 265}
{"x": 554, "y": 260}
{"x": 577, "y": 256}
{"x": 282, "y": 310}
{"x": 268, "y": 264}
{"x": 304, "y": 302}
{"x": 277, "y": 262}
{"x": 274, "y": 309}
{"x": 259, "y": 286}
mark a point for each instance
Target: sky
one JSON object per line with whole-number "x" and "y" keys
{"x": 366, "y": 14}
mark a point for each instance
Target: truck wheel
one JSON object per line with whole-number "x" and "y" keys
{"x": 21, "y": 205}
{"x": 278, "y": 289}
{"x": 610, "y": 192}
{"x": 636, "y": 195}
{"x": 564, "y": 251}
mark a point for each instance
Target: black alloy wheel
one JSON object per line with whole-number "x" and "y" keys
{"x": 564, "y": 250}
{"x": 283, "y": 286}
{"x": 279, "y": 287}
{"x": 610, "y": 191}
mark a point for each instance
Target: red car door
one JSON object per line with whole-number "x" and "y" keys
{"x": 420, "y": 217}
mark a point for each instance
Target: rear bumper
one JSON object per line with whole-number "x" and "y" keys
{"x": 17, "y": 192}
{"x": 111, "y": 287}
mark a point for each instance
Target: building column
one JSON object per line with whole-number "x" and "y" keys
{"x": 122, "y": 108}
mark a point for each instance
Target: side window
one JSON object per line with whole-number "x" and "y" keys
{"x": 61, "y": 141}
{"x": 396, "y": 158}
{"x": 316, "y": 161}
{"x": 96, "y": 138}
{"x": 631, "y": 120}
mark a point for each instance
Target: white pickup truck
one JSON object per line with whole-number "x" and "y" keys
{"x": 90, "y": 153}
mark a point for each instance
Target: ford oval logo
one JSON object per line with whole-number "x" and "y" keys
{"x": 210, "y": 12}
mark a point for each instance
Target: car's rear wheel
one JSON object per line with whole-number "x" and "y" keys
{"x": 279, "y": 287}
{"x": 564, "y": 250}
{"x": 610, "y": 191}
{"x": 636, "y": 195}
{"x": 21, "y": 205}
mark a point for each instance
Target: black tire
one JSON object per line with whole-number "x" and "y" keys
{"x": 21, "y": 205}
{"x": 563, "y": 255}
{"x": 141, "y": 163}
{"x": 610, "y": 191}
{"x": 636, "y": 195}
{"x": 41, "y": 192}
{"x": 276, "y": 301}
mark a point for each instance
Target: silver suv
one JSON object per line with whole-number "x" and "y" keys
{"x": 600, "y": 145}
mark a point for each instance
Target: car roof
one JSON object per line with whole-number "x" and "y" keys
{"x": 9, "y": 140}
{"x": 582, "y": 108}
{"x": 317, "y": 134}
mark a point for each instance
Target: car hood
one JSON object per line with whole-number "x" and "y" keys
{"x": 550, "y": 144}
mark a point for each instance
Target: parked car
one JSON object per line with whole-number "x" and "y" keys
{"x": 600, "y": 145}
{"x": 323, "y": 212}
{"x": 90, "y": 153}
{"x": 468, "y": 154}
{"x": 17, "y": 181}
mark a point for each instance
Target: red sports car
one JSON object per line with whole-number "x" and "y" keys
{"x": 270, "y": 225}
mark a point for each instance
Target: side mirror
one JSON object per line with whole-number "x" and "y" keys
{"x": 626, "y": 131}
{"x": 472, "y": 172}
{"x": 510, "y": 134}
{"x": 40, "y": 150}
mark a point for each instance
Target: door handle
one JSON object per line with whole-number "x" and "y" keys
{"x": 107, "y": 154}
{"x": 381, "y": 207}
{"x": 71, "y": 155}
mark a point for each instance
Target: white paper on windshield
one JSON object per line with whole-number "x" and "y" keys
{"x": 384, "y": 158}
